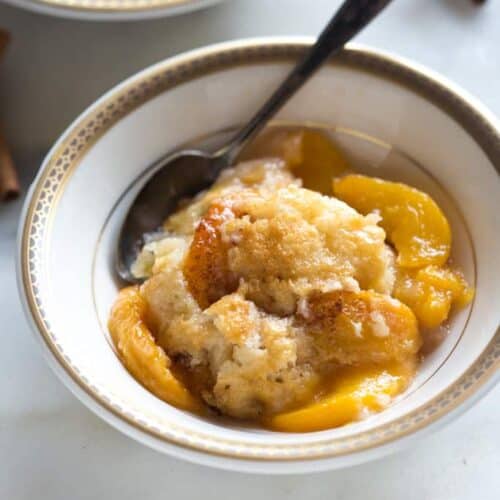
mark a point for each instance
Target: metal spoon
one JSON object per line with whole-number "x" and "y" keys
{"x": 170, "y": 183}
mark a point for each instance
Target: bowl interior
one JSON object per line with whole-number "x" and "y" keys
{"x": 386, "y": 127}
{"x": 367, "y": 155}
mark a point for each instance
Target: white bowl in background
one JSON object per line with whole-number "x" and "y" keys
{"x": 392, "y": 118}
{"x": 112, "y": 10}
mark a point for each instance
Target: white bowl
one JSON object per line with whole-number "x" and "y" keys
{"x": 392, "y": 117}
{"x": 112, "y": 10}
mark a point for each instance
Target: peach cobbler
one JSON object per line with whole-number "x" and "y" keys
{"x": 293, "y": 292}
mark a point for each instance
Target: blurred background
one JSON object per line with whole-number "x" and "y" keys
{"x": 51, "y": 447}
{"x": 54, "y": 68}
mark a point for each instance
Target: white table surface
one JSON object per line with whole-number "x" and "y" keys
{"x": 51, "y": 446}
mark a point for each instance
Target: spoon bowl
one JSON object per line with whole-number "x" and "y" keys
{"x": 177, "y": 176}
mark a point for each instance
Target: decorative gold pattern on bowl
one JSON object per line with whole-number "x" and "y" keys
{"x": 65, "y": 159}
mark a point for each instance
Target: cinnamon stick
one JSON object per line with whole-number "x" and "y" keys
{"x": 9, "y": 182}
{"x": 4, "y": 41}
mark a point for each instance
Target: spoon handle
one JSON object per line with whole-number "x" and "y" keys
{"x": 352, "y": 16}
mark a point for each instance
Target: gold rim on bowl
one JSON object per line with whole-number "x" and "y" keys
{"x": 63, "y": 160}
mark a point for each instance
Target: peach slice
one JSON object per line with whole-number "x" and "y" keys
{"x": 412, "y": 220}
{"x": 309, "y": 153}
{"x": 362, "y": 327}
{"x": 431, "y": 292}
{"x": 205, "y": 266}
{"x": 142, "y": 357}
{"x": 355, "y": 392}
